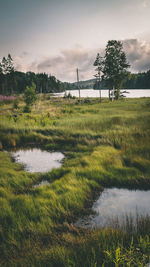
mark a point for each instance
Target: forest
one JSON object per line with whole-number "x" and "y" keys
{"x": 15, "y": 82}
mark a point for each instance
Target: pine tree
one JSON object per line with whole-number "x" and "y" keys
{"x": 10, "y": 65}
{"x": 8, "y": 72}
{"x": 1, "y": 78}
{"x": 4, "y": 65}
{"x": 99, "y": 64}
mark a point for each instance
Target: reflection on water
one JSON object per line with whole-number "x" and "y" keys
{"x": 131, "y": 93}
{"x": 44, "y": 182}
{"x": 37, "y": 160}
{"x": 117, "y": 203}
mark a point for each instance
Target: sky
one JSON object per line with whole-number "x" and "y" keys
{"x": 58, "y": 36}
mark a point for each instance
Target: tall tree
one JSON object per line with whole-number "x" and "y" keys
{"x": 1, "y": 78}
{"x": 4, "y": 79}
{"x": 115, "y": 66}
{"x": 99, "y": 64}
{"x": 8, "y": 71}
{"x": 10, "y": 64}
{"x": 4, "y": 65}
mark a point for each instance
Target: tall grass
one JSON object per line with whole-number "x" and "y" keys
{"x": 106, "y": 145}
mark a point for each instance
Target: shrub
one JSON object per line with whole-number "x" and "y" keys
{"x": 30, "y": 95}
{"x": 27, "y": 108}
{"x": 16, "y": 103}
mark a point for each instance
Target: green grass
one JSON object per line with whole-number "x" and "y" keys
{"x": 105, "y": 145}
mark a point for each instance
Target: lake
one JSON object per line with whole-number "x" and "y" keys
{"x": 37, "y": 160}
{"x": 114, "y": 204}
{"x": 132, "y": 93}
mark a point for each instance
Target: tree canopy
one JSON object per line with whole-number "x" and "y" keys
{"x": 115, "y": 65}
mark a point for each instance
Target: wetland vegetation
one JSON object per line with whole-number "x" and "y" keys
{"x": 106, "y": 145}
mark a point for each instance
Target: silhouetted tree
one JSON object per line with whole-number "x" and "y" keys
{"x": 99, "y": 64}
{"x": 10, "y": 73}
{"x": 115, "y": 66}
{"x": 7, "y": 68}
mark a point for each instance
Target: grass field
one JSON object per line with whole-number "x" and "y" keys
{"x": 105, "y": 145}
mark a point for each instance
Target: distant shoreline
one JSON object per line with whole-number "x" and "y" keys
{"x": 104, "y": 89}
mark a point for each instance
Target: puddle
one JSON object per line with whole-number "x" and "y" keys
{"x": 114, "y": 205}
{"x": 44, "y": 182}
{"x": 37, "y": 160}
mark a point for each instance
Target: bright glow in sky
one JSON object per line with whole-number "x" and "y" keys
{"x": 57, "y": 36}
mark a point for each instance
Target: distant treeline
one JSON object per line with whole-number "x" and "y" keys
{"x": 15, "y": 82}
{"x": 132, "y": 81}
{"x": 138, "y": 81}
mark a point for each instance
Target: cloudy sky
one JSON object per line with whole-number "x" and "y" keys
{"x": 58, "y": 36}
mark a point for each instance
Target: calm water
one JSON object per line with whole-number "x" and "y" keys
{"x": 104, "y": 93}
{"x": 37, "y": 160}
{"x": 115, "y": 204}
{"x": 44, "y": 182}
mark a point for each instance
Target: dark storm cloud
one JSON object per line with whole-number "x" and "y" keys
{"x": 138, "y": 54}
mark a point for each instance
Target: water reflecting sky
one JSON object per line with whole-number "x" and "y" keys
{"x": 37, "y": 160}
{"x": 117, "y": 203}
{"x": 104, "y": 93}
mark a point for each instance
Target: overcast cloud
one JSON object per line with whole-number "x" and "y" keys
{"x": 138, "y": 54}
{"x": 64, "y": 65}
{"x": 41, "y": 35}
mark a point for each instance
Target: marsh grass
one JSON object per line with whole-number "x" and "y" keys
{"x": 106, "y": 144}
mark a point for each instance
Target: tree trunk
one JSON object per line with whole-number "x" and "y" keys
{"x": 100, "y": 98}
{"x": 109, "y": 93}
{"x": 113, "y": 94}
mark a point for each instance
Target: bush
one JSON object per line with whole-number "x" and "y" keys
{"x": 30, "y": 95}
{"x": 86, "y": 100}
{"x": 69, "y": 96}
{"x": 16, "y": 104}
{"x": 27, "y": 108}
